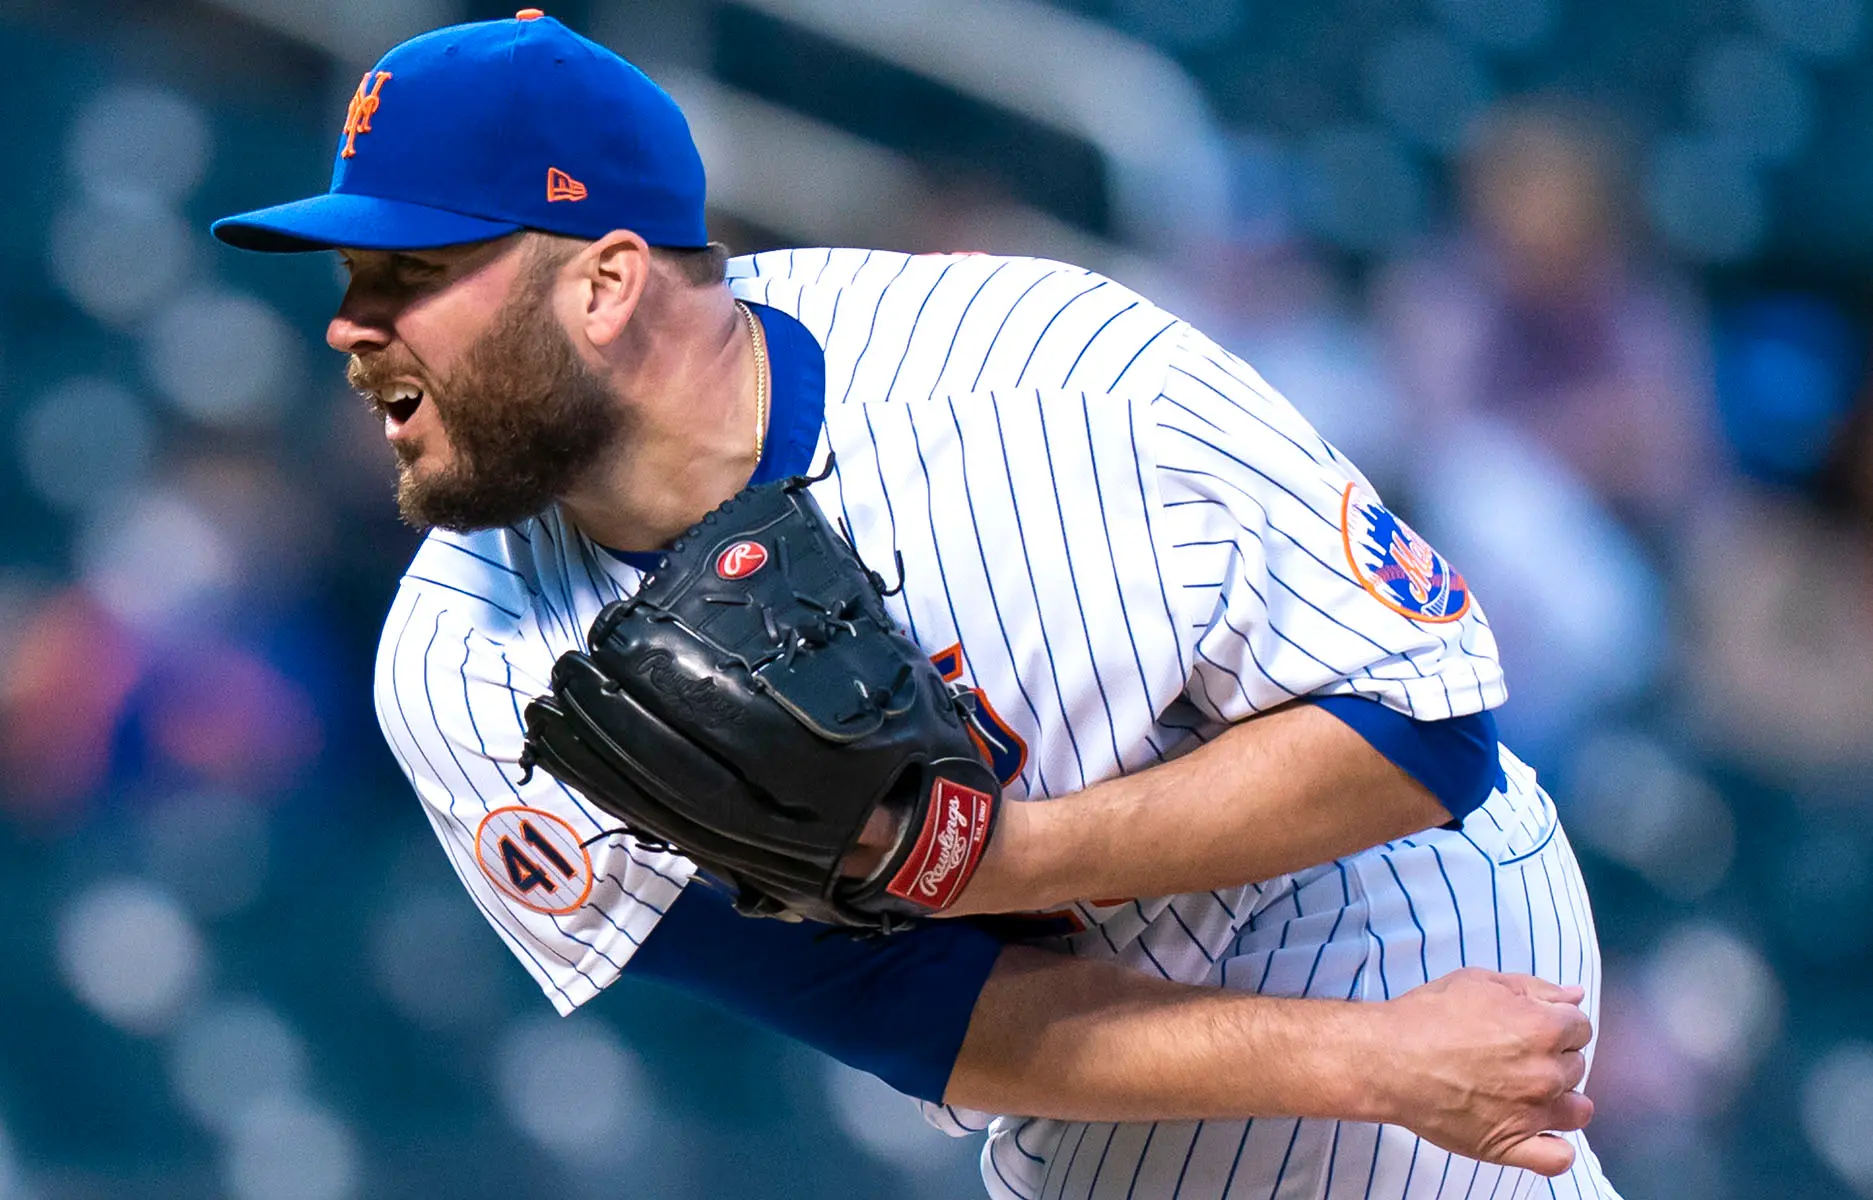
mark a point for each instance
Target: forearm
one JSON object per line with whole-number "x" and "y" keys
{"x": 1281, "y": 792}
{"x": 1474, "y": 1061}
{"x": 1080, "y": 1039}
{"x": 1479, "y": 1063}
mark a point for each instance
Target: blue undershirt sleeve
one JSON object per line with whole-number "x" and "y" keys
{"x": 1456, "y": 760}
{"x": 896, "y": 1007}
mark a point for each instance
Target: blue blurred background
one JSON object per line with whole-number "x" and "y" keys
{"x": 1582, "y": 284}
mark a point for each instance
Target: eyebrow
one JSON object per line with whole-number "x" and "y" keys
{"x": 392, "y": 258}
{"x": 435, "y": 258}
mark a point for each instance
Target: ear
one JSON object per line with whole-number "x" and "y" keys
{"x": 612, "y": 273}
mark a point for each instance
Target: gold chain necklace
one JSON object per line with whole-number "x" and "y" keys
{"x": 758, "y": 337}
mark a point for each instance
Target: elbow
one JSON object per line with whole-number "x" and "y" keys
{"x": 1456, "y": 760}
{"x": 1476, "y": 756}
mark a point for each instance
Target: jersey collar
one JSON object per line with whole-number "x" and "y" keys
{"x": 796, "y": 408}
{"x": 797, "y": 395}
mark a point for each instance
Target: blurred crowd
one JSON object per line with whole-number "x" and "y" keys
{"x": 1570, "y": 340}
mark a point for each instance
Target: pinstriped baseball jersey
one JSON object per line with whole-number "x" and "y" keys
{"x": 1123, "y": 540}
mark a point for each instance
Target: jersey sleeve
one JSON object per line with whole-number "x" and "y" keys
{"x": 570, "y": 895}
{"x": 895, "y": 1007}
{"x": 1294, "y": 578}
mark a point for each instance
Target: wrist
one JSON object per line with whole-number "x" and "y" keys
{"x": 1341, "y": 1058}
{"x": 1367, "y": 1069}
{"x": 1007, "y": 878}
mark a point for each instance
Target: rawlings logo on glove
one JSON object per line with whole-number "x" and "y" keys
{"x": 741, "y": 560}
{"x": 965, "y": 816}
{"x": 697, "y": 698}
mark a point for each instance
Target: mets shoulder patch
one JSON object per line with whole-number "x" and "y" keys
{"x": 1394, "y": 564}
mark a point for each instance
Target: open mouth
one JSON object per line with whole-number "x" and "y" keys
{"x": 400, "y": 403}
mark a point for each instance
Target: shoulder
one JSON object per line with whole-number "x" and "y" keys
{"x": 907, "y": 326}
{"x": 859, "y": 270}
{"x": 874, "y": 276}
{"x": 810, "y": 284}
{"x": 1212, "y": 396}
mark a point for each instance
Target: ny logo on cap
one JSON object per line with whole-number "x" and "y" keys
{"x": 358, "y": 115}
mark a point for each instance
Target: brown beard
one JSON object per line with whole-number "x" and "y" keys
{"x": 526, "y": 418}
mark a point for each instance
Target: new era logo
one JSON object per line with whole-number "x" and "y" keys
{"x": 561, "y": 186}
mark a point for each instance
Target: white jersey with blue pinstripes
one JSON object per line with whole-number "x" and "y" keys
{"x": 1124, "y": 540}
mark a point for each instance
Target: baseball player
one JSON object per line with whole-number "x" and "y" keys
{"x": 1255, "y": 698}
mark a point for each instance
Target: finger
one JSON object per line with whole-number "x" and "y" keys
{"x": 875, "y": 843}
{"x": 1543, "y": 1153}
{"x": 1573, "y": 1069}
{"x": 881, "y": 829}
{"x": 1576, "y": 1027}
{"x": 1570, "y": 1111}
{"x": 1541, "y": 989}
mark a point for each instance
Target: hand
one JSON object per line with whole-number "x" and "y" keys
{"x": 878, "y": 839}
{"x": 1485, "y": 1065}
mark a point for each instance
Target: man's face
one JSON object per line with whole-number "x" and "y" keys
{"x": 491, "y": 413}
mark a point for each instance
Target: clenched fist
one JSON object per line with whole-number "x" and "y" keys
{"x": 1485, "y": 1065}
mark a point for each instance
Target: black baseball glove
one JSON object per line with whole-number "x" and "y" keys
{"x": 753, "y": 704}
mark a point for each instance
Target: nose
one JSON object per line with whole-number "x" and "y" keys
{"x": 362, "y": 323}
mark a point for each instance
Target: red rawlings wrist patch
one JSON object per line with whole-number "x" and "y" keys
{"x": 955, "y": 831}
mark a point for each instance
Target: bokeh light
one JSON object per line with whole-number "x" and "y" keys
{"x": 1633, "y": 802}
{"x": 158, "y": 561}
{"x": 1639, "y": 1075}
{"x": 429, "y": 957}
{"x": 232, "y": 720}
{"x": 284, "y": 1148}
{"x": 1716, "y": 998}
{"x": 131, "y": 954}
{"x": 231, "y": 1057}
{"x": 571, "y": 1085}
{"x": 85, "y": 442}
{"x": 140, "y": 140}
{"x": 1837, "y": 1112}
{"x": 223, "y": 358}
{"x": 120, "y": 257}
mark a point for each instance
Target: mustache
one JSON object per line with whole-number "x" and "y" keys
{"x": 368, "y": 376}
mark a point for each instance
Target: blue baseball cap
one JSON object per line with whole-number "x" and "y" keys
{"x": 476, "y": 131}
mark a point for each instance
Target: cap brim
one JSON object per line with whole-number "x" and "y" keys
{"x": 355, "y": 222}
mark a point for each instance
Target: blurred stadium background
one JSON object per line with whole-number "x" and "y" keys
{"x": 1584, "y": 284}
